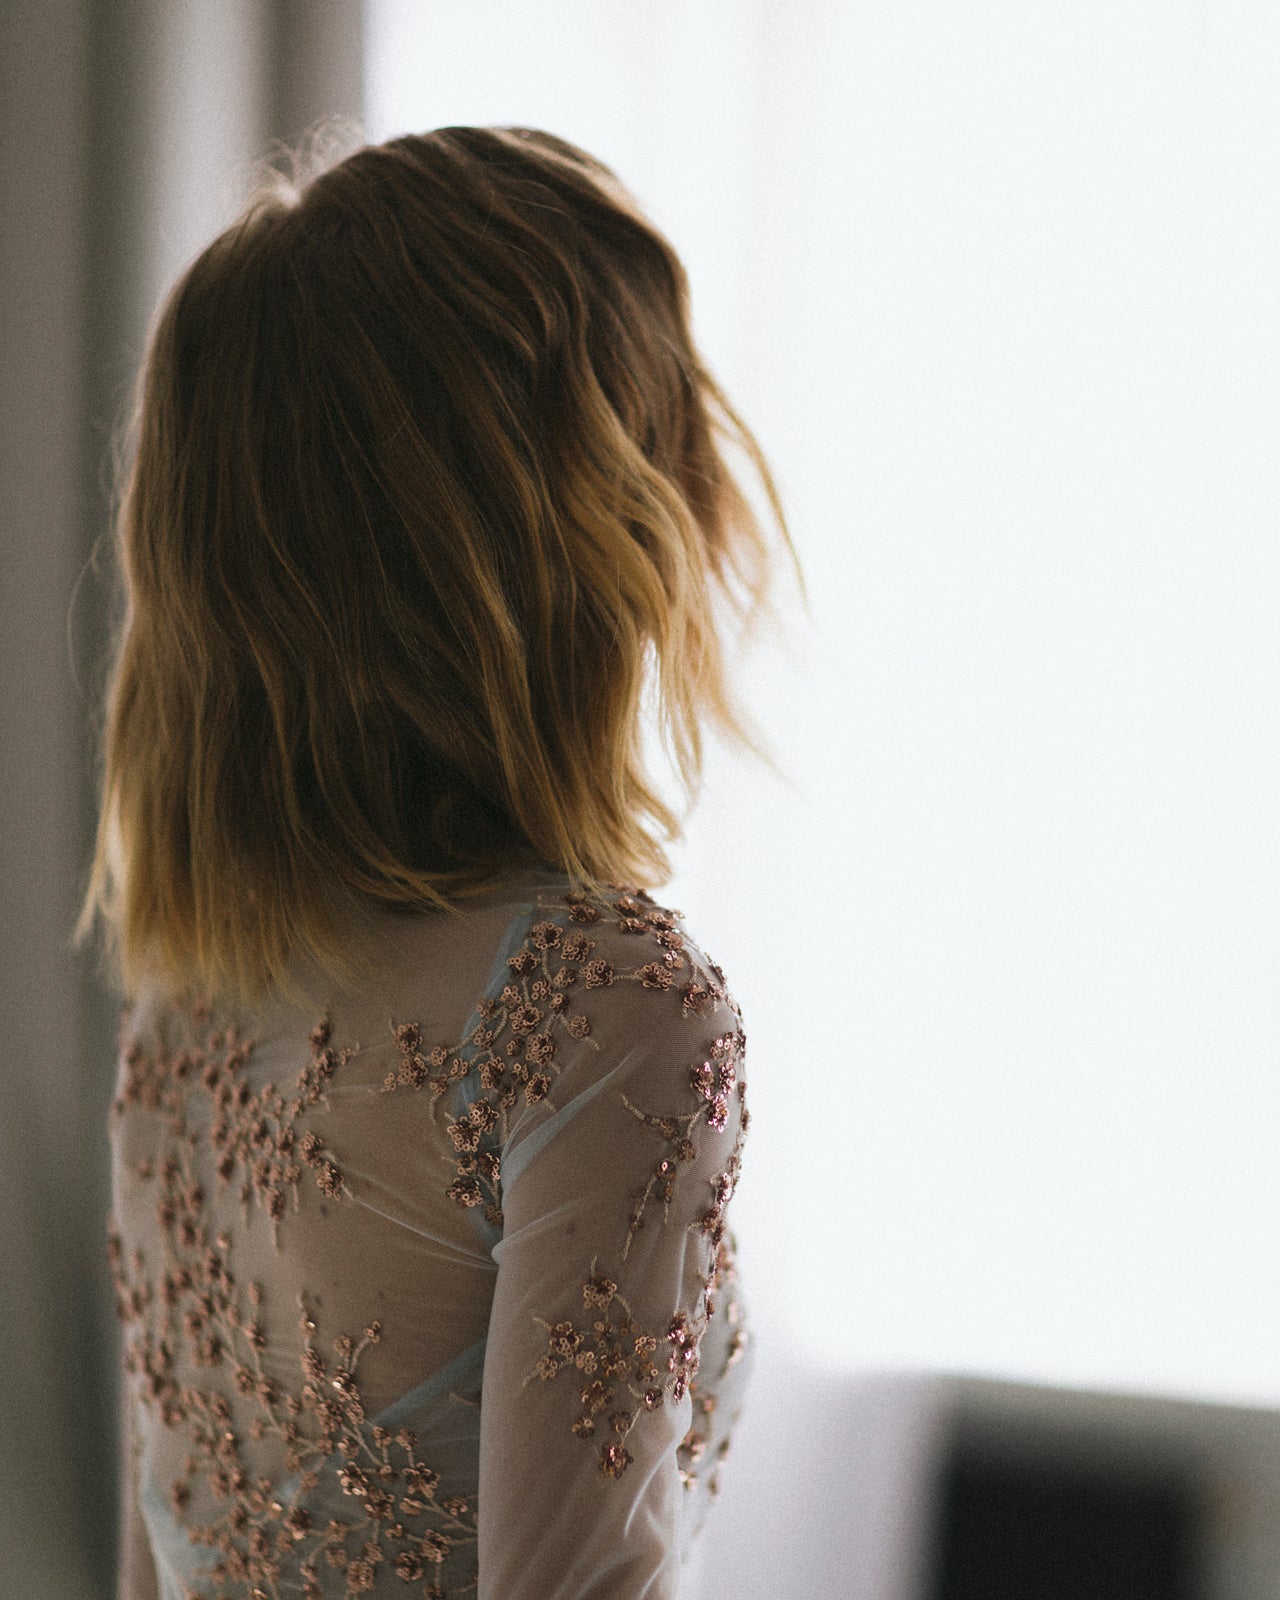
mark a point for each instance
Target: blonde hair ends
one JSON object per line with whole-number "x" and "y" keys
{"x": 426, "y": 483}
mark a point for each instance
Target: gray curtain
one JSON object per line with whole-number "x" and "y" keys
{"x": 127, "y": 134}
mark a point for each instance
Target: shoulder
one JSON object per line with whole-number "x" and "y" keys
{"x": 579, "y": 984}
{"x": 603, "y": 1030}
{"x": 625, "y": 941}
{"x": 612, "y": 991}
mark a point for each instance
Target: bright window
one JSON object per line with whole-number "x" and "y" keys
{"x": 998, "y": 286}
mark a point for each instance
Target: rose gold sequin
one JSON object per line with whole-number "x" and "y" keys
{"x": 201, "y": 1310}
{"x": 615, "y": 1373}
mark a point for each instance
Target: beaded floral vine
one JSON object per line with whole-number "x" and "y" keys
{"x": 261, "y": 1530}
{"x": 257, "y": 1136}
{"x": 612, "y": 1352}
{"x": 263, "y": 1141}
{"x": 511, "y": 1055}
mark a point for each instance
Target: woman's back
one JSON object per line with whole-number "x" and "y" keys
{"x": 434, "y": 1277}
{"x": 425, "y": 1128}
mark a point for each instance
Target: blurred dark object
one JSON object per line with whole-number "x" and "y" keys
{"x": 923, "y": 1486}
{"x": 1018, "y": 1522}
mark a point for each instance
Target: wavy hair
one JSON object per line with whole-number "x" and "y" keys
{"x": 425, "y": 495}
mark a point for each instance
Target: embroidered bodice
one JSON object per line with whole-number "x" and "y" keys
{"x": 428, "y": 1291}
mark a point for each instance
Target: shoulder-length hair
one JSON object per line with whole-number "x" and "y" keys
{"x": 426, "y": 494}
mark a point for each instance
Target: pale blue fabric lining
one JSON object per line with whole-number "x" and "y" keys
{"x": 470, "y": 1088}
{"x": 542, "y": 1135}
{"x": 436, "y": 1387}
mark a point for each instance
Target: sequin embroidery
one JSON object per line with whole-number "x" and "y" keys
{"x": 196, "y": 1333}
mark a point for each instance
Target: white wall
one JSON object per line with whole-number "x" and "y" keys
{"x": 997, "y": 283}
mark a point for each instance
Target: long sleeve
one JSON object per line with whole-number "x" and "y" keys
{"x": 614, "y": 1188}
{"x": 430, "y": 1289}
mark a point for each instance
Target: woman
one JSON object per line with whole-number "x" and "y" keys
{"x": 428, "y": 1114}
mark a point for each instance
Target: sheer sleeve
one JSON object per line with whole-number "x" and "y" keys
{"x": 616, "y": 1170}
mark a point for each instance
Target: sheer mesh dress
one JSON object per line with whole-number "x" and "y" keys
{"x": 428, "y": 1290}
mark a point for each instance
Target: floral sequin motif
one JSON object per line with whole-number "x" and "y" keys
{"x": 197, "y": 1336}
{"x": 622, "y": 1369}
{"x": 259, "y": 1140}
{"x": 692, "y": 1455}
{"x": 260, "y": 1532}
{"x": 713, "y": 1080}
{"x": 512, "y": 1056}
{"x": 625, "y": 1370}
{"x": 189, "y": 1313}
